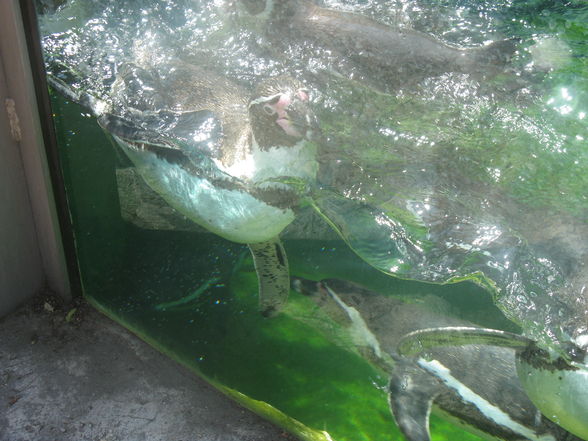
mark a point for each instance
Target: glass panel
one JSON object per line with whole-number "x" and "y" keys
{"x": 432, "y": 152}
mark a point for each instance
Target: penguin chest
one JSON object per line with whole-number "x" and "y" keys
{"x": 264, "y": 167}
{"x": 560, "y": 393}
{"x": 224, "y": 209}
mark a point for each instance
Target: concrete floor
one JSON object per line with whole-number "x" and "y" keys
{"x": 89, "y": 379}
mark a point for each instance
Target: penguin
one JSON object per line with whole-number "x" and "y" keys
{"x": 216, "y": 153}
{"x": 365, "y": 50}
{"x": 473, "y": 386}
{"x": 556, "y": 383}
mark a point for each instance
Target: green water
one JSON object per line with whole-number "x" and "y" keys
{"x": 130, "y": 273}
{"x": 193, "y": 295}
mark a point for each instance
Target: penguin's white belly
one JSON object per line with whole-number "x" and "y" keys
{"x": 231, "y": 213}
{"x": 561, "y": 395}
{"x": 262, "y": 166}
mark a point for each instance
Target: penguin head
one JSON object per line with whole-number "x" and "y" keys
{"x": 280, "y": 113}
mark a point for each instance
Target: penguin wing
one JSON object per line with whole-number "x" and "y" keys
{"x": 133, "y": 132}
{"x": 412, "y": 392}
{"x": 419, "y": 341}
{"x": 194, "y": 134}
{"x": 198, "y": 132}
{"x": 194, "y": 155}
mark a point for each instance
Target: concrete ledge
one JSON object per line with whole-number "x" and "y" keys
{"x": 89, "y": 379}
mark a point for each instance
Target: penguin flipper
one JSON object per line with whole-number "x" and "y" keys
{"x": 416, "y": 342}
{"x": 271, "y": 265}
{"x": 195, "y": 133}
{"x": 412, "y": 392}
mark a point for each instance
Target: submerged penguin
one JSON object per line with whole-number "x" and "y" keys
{"x": 360, "y": 48}
{"x": 557, "y": 384}
{"x": 217, "y": 154}
{"x": 474, "y": 386}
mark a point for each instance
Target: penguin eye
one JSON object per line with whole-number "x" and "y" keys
{"x": 268, "y": 109}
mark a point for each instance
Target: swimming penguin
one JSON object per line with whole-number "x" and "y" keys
{"x": 363, "y": 49}
{"x": 557, "y": 385}
{"x": 474, "y": 386}
{"x": 217, "y": 153}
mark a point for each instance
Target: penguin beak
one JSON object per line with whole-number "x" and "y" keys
{"x": 295, "y": 116}
{"x": 291, "y": 112}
